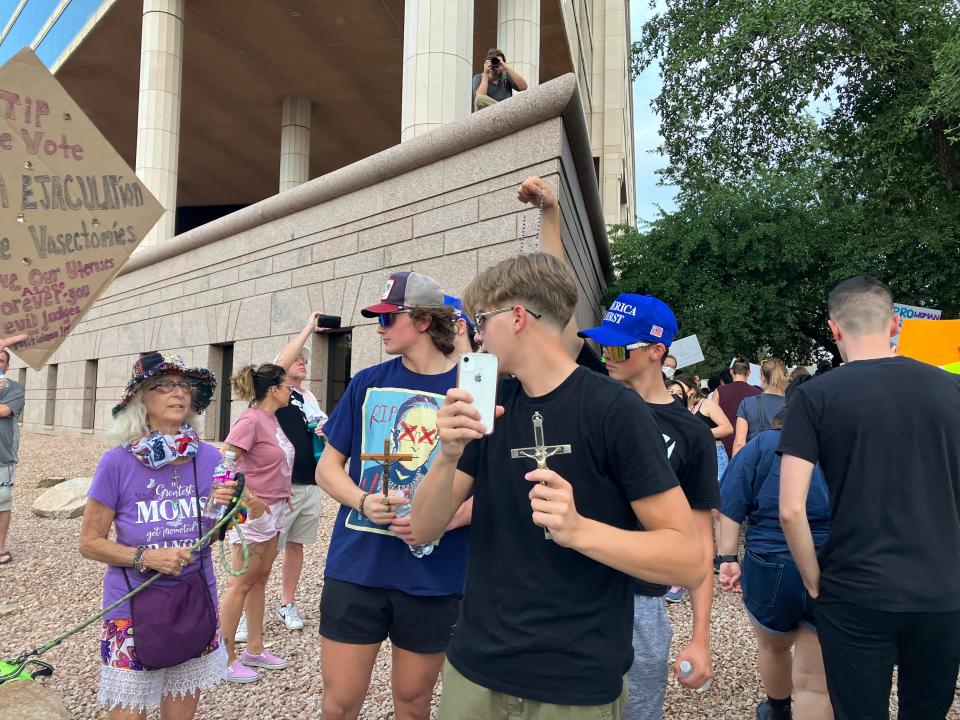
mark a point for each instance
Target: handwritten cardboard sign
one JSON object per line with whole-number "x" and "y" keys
{"x": 71, "y": 210}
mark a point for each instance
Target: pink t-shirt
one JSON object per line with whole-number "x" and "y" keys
{"x": 267, "y": 461}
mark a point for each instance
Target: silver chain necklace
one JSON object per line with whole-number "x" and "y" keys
{"x": 523, "y": 219}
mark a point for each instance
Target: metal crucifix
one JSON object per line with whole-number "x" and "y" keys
{"x": 540, "y": 451}
{"x": 386, "y": 460}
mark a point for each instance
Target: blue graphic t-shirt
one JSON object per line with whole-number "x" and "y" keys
{"x": 390, "y": 402}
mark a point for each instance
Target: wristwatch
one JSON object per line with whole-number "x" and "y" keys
{"x": 727, "y": 559}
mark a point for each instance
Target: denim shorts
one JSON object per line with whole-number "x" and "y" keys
{"x": 773, "y": 592}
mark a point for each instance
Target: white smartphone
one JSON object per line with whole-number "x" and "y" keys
{"x": 477, "y": 374}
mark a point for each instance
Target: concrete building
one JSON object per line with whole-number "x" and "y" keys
{"x": 358, "y": 115}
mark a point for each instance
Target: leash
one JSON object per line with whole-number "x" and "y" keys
{"x": 17, "y": 669}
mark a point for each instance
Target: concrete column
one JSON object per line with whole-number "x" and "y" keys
{"x": 437, "y": 64}
{"x": 518, "y": 35}
{"x": 158, "y": 114}
{"x": 294, "y": 142}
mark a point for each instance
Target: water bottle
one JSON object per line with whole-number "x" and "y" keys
{"x": 686, "y": 670}
{"x": 417, "y": 550}
{"x": 318, "y": 442}
{"x": 222, "y": 473}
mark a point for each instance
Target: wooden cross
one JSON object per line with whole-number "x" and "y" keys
{"x": 385, "y": 461}
{"x": 540, "y": 451}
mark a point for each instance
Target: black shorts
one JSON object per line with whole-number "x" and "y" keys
{"x": 361, "y": 615}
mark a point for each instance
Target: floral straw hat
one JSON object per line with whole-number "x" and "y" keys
{"x": 154, "y": 364}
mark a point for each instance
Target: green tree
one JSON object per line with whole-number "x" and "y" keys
{"x": 742, "y": 77}
{"x": 811, "y": 140}
{"x": 747, "y": 268}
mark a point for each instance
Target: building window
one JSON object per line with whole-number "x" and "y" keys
{"x": 338, "y": 368}
{"x": 50, "y": 402}
{"x": 89, "y": 416}
{"x": 223, "y": 369}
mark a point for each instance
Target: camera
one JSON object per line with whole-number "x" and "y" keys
{"x": 495, "y": 61}
{"x": 328, "y": 321}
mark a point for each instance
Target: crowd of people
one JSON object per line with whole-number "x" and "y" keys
{"x": 538, "y": 589}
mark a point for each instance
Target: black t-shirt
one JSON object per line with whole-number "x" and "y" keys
{"x": 540, "y": 621}
{"x": 886, "y": 433}
{"x": 589, "y": 359}
{"x": 293, "y": 422}
{"x": 693, "y": 457}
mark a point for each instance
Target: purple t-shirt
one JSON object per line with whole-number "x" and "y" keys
{"x": 154, "y": 510}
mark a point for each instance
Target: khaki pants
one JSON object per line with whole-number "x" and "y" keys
{"x": 482, "y": 101}
{"x": 465, "y": 700}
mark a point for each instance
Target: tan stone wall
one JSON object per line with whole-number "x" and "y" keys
{"x": 447, "y": 219}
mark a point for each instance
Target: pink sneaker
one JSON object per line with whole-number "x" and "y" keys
{"x": 240, "y": 673}
{"x": 266, "y": 660}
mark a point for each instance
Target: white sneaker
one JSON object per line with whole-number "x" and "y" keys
{"x": 241, "y": 636}
{"x": 290, "y": 616}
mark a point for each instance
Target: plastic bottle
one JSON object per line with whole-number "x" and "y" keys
{"x": 417, "y": 550}
{"x": 222, "y": 473}
{"x": 686, "y": 670}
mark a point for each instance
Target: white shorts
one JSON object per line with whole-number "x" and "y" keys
{"x": 146, "y": 689}
{"x": 303, "y": 521}
{"x": 264, "y": 528}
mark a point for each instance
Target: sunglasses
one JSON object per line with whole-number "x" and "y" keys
{"x": 619, "y": 353}
{"x": 481, "y": 316}
{"x": 386, "y": 319}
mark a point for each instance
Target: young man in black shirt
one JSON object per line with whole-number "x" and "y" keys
{"x": 887, "y": 582}
{"x": 634, "y": 338}
{"x": 547, "y": 620}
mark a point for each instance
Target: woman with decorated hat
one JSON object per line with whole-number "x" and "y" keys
{"x": 150, "y": 490}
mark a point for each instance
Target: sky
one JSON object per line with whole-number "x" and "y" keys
{"x": 646, "y": 136}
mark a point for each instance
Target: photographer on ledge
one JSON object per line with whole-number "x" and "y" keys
{"x": 497, "y": 81}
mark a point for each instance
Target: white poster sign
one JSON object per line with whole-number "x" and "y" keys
{"x": 911, "y": 312}
{"x": 687, "y": 351}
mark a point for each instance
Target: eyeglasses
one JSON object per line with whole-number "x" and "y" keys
{"x": 481, "y": 316}
{"x": 386, "y": 319}
{"x": 165, "y": 387}
{"x": 283, "y": 385}
{"x": 619, "y": 353}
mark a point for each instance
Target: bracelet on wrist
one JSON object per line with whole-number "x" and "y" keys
{"x": 727, "y": 559}
{"x": 138, "y": 559}
{"x": 363, "y": 499}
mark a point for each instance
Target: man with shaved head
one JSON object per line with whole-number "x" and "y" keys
{"x": 886, "y": 432}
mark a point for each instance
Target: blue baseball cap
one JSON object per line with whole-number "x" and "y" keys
{"x": 635, "y": 318}
{"x": 457, "y": 305}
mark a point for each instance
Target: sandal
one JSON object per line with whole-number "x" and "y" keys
{"x": 6, "y": 557}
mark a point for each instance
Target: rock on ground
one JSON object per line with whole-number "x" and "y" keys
{"x": 63, "y": 501}
{"x": 21, "y": 699}
{"x": 56, "y": 589}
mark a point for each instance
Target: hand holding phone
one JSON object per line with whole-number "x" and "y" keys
{"x": 477, "y": 374}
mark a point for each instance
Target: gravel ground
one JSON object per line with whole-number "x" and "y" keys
{"x": 55, "y": 588}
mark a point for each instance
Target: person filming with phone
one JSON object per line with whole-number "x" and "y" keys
{"x": 497, "y": 81}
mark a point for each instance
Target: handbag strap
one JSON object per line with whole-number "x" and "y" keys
{"x": 196, "y": 487}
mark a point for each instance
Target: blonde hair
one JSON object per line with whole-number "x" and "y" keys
{"x": 132, "y": 422}
{"x": 774, "y": 373}
{"x": 542, "y": 280}
{"x": 252, "y": 383}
